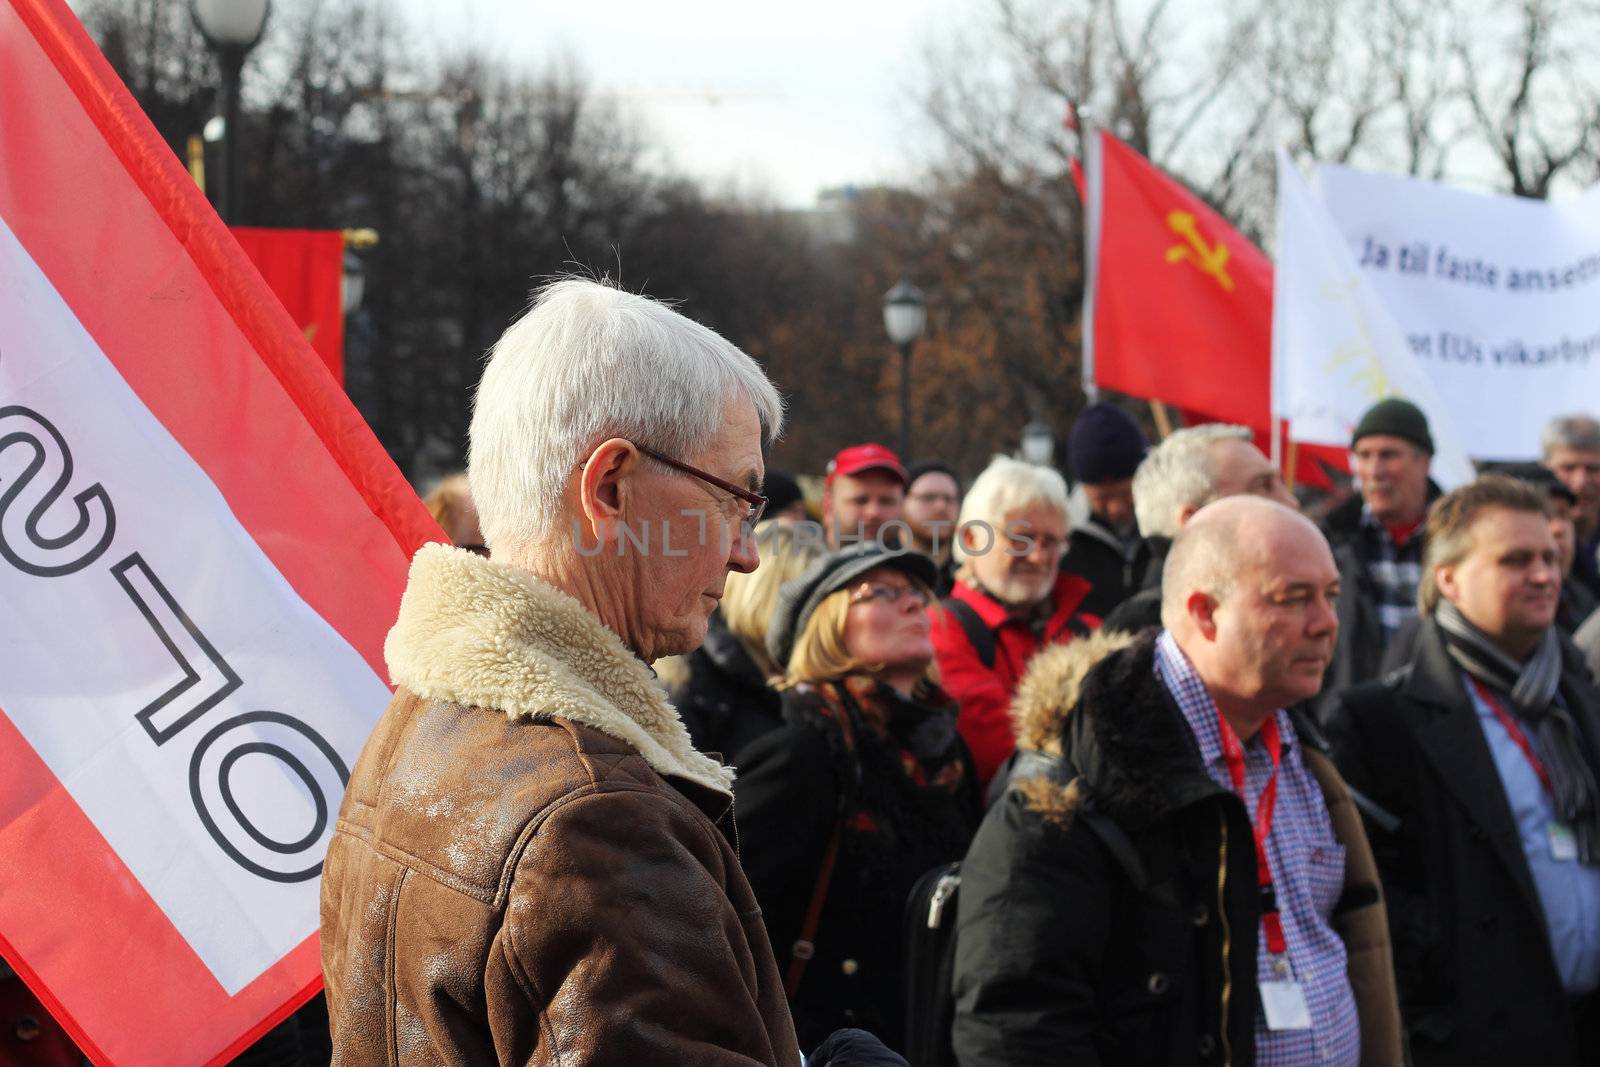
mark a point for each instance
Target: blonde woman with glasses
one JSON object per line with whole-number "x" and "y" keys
{"x": 865, "y": 787}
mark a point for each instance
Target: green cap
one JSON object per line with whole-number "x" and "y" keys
{"x": 1395, "y": 418}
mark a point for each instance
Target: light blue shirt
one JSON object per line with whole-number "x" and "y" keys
{"x": 1307, "y": 865}
{"x": 1568, "y": 890}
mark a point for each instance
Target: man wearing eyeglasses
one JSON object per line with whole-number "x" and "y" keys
{"x": 1010, "y": 600}
{"x": 532, "y": 863}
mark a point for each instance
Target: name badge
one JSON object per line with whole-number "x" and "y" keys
{"x": 1284, "y": 1005}
{"x": 1563, "y": 843}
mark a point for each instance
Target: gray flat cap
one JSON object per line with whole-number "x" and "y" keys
{"x": 799, "y": 598}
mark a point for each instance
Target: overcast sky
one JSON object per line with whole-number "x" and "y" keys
{"x": 782, "y": 99}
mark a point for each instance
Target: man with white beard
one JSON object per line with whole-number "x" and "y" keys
{"x": 1011, "y": 599}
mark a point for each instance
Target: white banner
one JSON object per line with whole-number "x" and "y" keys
{"x": 1498, "y": 297}
{"x": 1336, "y": 349}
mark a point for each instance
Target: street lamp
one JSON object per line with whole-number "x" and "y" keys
{"x": 355, "y": 282}
{"x": 231, "y": 28}
{"x": 1038, "y": 443}
{"x": 905, "y": 313}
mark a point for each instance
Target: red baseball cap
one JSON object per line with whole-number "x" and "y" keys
{"x": 867, "y": 457}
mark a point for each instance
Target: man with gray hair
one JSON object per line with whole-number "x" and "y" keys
{"x": 1187, "y": 879}
{"x": 1009, "y": 601}
{"x": 531, "y": 863}
{"x": 1185, "y": 472}
{"x": 1571, "y": 450}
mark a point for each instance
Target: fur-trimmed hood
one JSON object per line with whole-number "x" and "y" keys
{"x": 1049, "y": 690}
{"x": 482, "y": 634}
{"x": 1104, "y": 713}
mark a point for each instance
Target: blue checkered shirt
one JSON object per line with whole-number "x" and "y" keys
{"x": 1307, "y": 864}
{"x": 1394, "y": 571}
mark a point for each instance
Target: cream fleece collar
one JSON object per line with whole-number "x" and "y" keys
{"x": 483, "y": 634}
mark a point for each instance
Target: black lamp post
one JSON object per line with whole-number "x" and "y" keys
{"x": 231, "y": 28}
{"x": 905, "y": 313}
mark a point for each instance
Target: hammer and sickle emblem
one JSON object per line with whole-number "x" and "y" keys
{"x": 1208, "y": 259}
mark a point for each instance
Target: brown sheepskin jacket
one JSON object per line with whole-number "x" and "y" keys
{"x": 530, "y": 864}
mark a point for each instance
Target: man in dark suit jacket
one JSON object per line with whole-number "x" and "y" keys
{"x": 1482, "y": 751}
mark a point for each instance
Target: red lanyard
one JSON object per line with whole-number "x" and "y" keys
{"x": 1233, "y": 753}
{"x": 1511, "y": 727}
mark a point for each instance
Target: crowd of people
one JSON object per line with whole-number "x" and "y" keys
{"x": 1188, "y": 771}
{"x": 1144, "y": 761}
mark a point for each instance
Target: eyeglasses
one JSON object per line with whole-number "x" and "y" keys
{"x": 889, "y": 594}
{"x": 755, "y": 503}
{"x": 1026, "y": 544}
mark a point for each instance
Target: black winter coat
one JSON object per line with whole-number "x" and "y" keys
{"x": 1142, "y": 610}
{"x": 1095, "y": 555}
{"x": 726, "y": 702}
{"x": 1108, "y": 912}
{"x": 1478, "y": 982}
{"x": 795, "y": 785}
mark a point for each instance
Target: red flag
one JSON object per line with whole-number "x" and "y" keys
{"x": 306, "y": 269}
{"x": 1179, "y": 303}
{"x": 201, "y": 550}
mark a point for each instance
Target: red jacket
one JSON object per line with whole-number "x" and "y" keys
{"x": 984, "y": 693}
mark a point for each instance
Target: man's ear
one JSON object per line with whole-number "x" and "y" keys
{"x": 969, "y": 537}
{"x": 1186, "y": 513}
{"x": 1444, "y": 577}
{"x": 1202, "y": 609}
{"x": 603, "y": 487}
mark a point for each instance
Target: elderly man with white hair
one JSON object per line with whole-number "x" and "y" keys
{"x": 1184, "y": 878}
{"x": 531, "y": 863}
{"x": 1010, "y": 599}
{"x": 1185, "y": 472}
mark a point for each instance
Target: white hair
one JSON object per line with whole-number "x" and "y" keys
{"x": 1179, "y": 473}
{"x": 586, "y": 363}
{"x": 1006, "y": 486}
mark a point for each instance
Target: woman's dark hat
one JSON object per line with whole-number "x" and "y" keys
{"x": 799, "y": 598}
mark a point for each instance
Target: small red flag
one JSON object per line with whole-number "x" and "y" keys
{"x": 306, "y": 269}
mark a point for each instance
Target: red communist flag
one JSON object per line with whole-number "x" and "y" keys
{"x": 202, "y": 547}
{"x": 1179, "y": 305}
{"x": 306, "y": 269}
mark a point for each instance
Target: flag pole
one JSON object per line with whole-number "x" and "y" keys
{"x": 1158, "y": 412}
{"x": 1275, "y": 405}
{"x": 1089, "y": 145}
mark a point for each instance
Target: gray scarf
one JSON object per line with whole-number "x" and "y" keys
{"x": 1533, "y": 688}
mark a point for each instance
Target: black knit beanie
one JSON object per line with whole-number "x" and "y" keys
{"x": 1106, "y": 445}
{"x": 1395, "y": 418}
